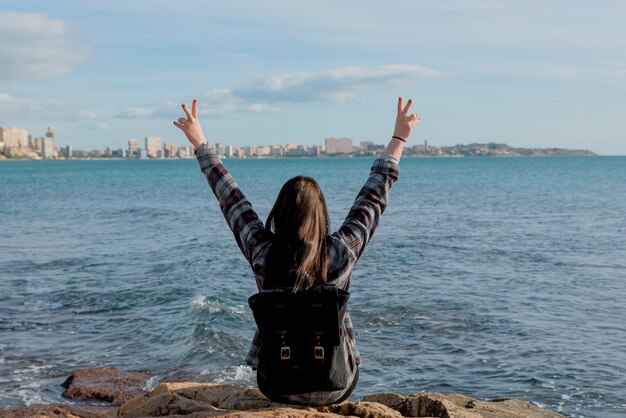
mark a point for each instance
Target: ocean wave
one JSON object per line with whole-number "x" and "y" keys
{"x": 204, "y": 303}
{"x": 30, "y": 394}
{"x": 151, "y": 383}
{"x": 232, "y": 375}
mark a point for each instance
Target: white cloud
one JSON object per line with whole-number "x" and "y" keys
{"x": 35, "y": 47}
{"x": 87, "y": 115}
{"x": 336, "y": 85}
{"x": 263, "y": 108}
{"x": 213, "y": 104}
{"x": 272, "y": 93}
{"x": 12, "y": 106}
{"x": 15, "y": 110}
{"x": 135, "y": 113}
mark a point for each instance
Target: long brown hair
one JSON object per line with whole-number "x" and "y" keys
{"x": 299, "y": 221}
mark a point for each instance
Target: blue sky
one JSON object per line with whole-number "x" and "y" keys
{"x": 531, "y": 74}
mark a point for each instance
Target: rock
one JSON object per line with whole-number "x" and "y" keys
{"x": 102, "y": 384}
{"x": 362, "y": 409}
{"x": 392, "y": 400}
{"x": 211, "y": 399}
{"x": 56, "y": 410}
{"x": 202, "y": 400}
{"x": 451, "y": 405}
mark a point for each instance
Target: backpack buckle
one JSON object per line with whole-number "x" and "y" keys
{"x": 319, "y": 353}
{"x": 285, "y": 353}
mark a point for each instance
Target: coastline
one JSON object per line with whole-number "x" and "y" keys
{"x": 108, "y": 393}
{"x": 250, "y": 152}
{"x": 315, "y": 158}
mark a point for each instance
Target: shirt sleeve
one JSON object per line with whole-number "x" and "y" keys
{"x": 248, "y": 229}
{"x": 358, "y": 228}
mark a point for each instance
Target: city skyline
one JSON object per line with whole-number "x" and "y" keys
{"x": 534, "y": 74}
{"x": 16, "y": 143}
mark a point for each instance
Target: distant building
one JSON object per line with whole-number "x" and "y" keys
{"x": 47, "y": 149}
{"x": 366, "y": 145}
{"x": 80, "y": 154}
{"x": 299, "y": 151}
{"x": 133, "y": 146}
{"x": 171, "y": 150}
{"x": 67, "y": 151}
{"x": 276, "y": 151}
{"x": 13, "y": 141}
{"x": 248, "y": 151}
{"x": 186, "y": 152}
{"x": 263, "y": 150}
{"x": 314, "y": 151}
{"x": 153, "y": 146}
{"x": 35, "y": 143}
{"x": 339, "y": 145}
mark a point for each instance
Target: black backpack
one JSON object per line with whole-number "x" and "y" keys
{"x": 302, "y": 348}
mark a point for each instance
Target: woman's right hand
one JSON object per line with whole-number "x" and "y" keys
{"x": 405, "y": 121}
{"x": 191, "y": 126}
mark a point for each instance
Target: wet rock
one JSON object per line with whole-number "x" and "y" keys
{"x": 202, "y": 400}
{"x": 211, "y": 399}
{"x": 451, "y": 405}
{"x": 361, "y": 409}
{"x": 103, "y": 384}
{"x": 55, "y": 411}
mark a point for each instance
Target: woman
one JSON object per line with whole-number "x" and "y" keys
{"x": 294, "y": 248}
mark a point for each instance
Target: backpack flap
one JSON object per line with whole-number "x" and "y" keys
{"x": 301, "y": 342}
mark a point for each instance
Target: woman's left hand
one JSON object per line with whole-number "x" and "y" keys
{"x": 191, "y": 126}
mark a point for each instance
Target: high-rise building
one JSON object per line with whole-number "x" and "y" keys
{"x": 153, "y": 146}
{"x": 171, "y": 150}
{"x": 339, "y": 145}
{"x": 133, "y": 146}
{"x": 13, "y": 141}
{"x": 186, "y": 151}
{"x": 35, "y": 143}
{"x": 47, "y": 149}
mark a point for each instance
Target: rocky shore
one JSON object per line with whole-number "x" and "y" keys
{"x": 125, "y": 393}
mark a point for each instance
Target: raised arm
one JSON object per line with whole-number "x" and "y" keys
{"x": 247, "y": 228}
{"x": 369, "y": 205}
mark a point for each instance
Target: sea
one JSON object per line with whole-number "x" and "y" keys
{"x": 490, "y": 277}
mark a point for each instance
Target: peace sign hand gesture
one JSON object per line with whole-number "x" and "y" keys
{"x": 405, "y": 121}
{"x": 191, "y": 126}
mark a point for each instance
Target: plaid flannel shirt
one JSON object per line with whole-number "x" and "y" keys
{"x": 344, "y": 246}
